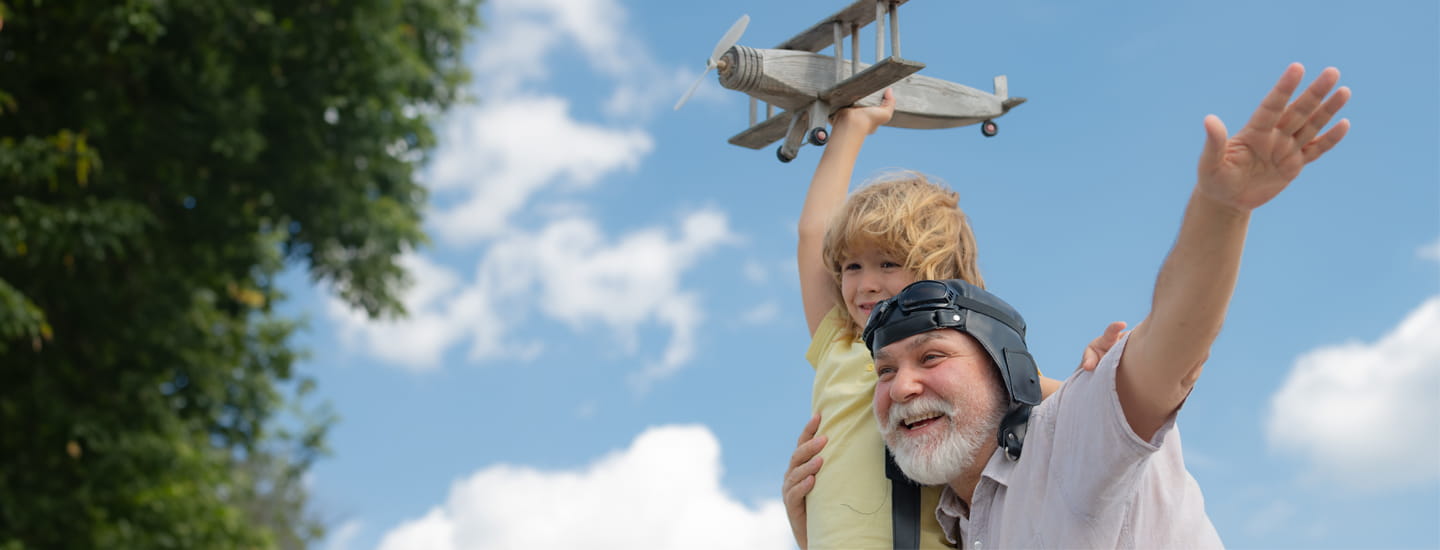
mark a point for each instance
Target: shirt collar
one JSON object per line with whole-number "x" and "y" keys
{"x": 950, "y": 512}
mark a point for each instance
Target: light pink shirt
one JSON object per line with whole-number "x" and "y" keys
{"x": 1084, "y": 480}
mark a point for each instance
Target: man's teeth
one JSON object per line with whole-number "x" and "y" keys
{"x": 912, "y": 421}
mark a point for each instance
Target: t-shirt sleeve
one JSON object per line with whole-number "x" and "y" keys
{"x": 1099, "y": 458}
{"x": 828, "y": 330}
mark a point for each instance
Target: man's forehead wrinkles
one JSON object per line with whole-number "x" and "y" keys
{"x": 910, "y": 343}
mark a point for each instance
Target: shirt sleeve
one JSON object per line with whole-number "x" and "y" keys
{"x": 1099, "y": 459}
{"x": 828, "y": 330}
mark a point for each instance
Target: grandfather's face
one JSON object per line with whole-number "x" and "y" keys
{"x": 939, "y": 401}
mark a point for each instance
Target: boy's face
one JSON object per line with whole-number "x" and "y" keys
{"x": 868, "y": 276}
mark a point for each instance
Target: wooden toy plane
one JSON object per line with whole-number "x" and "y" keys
{"x": 809, "y": 86}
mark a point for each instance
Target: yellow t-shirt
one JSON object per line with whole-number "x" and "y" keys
{"x": 850, "y": 504}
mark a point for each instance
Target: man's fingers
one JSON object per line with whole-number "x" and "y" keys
{"x": 1301, "y": 111}
{"x": 807, "y": 450}
{"x": 1322, "y": 117}
{"x": 1273, "y": 106}
{"x": 1324, "y": 143}
{"x": 810, "y": 428}
{"x": 1215, "y": 137}
{"x": 799, "y": 474}
{"x": 795, "y": 494}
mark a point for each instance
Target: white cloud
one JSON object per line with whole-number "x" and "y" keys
{"x": 1429, "y": 251}
{"x": 662, "y": 492}
{"x": 583, "y": 280}
{"x": 341, "y": 537}
{"x": 523, "y": 139}
{"x": 1276, "y": 517}
{"x": 529, "y": 31}
{"x": 519, "y": 145}
{"x": 418, "y": 340}
{"x": 503, "y": 154}
{"x": 568, "y": 272}
{"x": 761, "y": 314}
{"x": 1365, "y": 414}
{"x": 755, "y": 272}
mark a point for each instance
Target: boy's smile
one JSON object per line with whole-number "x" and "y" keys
{"x": 866, "y": 278}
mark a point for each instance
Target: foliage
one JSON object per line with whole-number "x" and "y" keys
{"x": 160, "y": 162}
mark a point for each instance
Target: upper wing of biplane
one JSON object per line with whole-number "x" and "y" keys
{"x": 848, "y": 87}
{"x": 822, "y": 35}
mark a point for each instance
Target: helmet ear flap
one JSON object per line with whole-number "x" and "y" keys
{"x": 1024, "y": 377}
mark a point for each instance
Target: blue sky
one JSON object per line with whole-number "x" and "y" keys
{"x": 606, "y": 346}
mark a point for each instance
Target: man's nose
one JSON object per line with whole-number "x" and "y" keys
{"x": 906, "y": 385}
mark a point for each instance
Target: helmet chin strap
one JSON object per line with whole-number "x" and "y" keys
{"x": 1011, "y": 436}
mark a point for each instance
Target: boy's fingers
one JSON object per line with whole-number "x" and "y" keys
{"x": 1114, "y": 330}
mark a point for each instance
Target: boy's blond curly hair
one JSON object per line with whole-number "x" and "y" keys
{"x": 911, "y": 216}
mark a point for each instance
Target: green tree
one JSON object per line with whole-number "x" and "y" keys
{"x": 160, "y": 162}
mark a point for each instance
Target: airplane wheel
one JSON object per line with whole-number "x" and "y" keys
{"x": 989, "y": 128}
{"x": 780, "y": 154}
{"x": 818, "y": 137}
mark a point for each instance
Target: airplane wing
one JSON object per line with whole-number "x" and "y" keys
{"x": 764, "y": 133}
{"x": 873, "y": 79}
{"x": 822, "y": 34}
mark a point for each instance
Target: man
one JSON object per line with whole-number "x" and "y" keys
{"x": 1099, "y": 463}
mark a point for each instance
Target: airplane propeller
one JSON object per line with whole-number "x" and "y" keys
{"x": 731, "y": 36}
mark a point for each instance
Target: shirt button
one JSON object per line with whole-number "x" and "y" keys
{"x": 977, "y": 545}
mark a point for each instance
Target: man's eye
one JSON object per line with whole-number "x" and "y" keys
{"x": 932, "y": 357}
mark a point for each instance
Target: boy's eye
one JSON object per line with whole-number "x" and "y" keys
{"x": 889, "y": 265}
{"x": 851, "y": 267}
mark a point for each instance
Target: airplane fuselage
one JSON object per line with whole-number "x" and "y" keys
{"x": 792, "y": 79}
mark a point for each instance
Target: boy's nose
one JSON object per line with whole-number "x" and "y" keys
{"x": 869, "y": 282}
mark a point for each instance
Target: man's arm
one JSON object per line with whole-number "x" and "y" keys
{"x": 827, "y": 193}
{"x": 1237, "y": 174}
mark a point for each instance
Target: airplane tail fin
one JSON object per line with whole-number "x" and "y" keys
{"x": 1002, "y": 87}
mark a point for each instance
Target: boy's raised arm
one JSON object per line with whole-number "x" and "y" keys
{"x": 1237, "y": 174}
{"x": 827, "y": 193}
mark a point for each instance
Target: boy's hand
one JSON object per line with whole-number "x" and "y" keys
{"x": 800, "y": 478}
{"x": 866, "y": 119}
{"x": 1247, "y": 170}
{"x": 1090, "y": 358}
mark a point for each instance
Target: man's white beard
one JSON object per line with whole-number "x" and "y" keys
{"x": 940, "y": 455}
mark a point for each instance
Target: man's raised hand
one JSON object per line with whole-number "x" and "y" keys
{"x": 1248, "y": 169}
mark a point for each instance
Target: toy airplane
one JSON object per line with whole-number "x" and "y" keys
{"x": 809, "y": 86}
